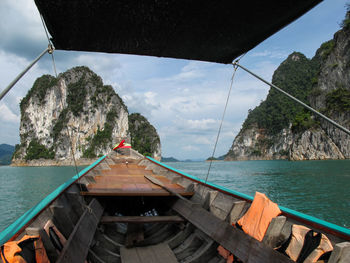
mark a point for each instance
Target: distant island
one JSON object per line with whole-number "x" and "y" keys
{"x": 220, "y": 158}
{"x": 172, "y": 159}
{"x": 6, "y": 152}
{"x": 169, "y": 159}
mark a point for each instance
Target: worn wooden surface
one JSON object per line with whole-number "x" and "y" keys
{"x": 141, "y": 219}
{"x": 134, "y": 235}
{"x": 127, "y": 179}
{"x": 246, "y": 248}
{"x": 273, "y": 236}
{"x": 160, "y": 253}
{"x": 341, "y": 253}
{"x": 78, "y": 243}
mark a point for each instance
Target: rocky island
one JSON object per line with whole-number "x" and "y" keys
{"x": 280, "y": 129}
{"x": 77, "y": 111}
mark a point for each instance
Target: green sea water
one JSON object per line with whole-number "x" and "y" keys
{"x": 317, "y": 188}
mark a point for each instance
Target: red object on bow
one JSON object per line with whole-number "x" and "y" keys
{"x": 121, "y": 144}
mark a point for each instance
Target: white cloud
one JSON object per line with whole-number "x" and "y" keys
{"x": 7, "y": 115}
{"x": 190, "y": 148}
{"x": 21, "y": 28}
{"x": 281, "y": 54}
{"x": 196, "y": 125}
{"x": 106, "y": 65}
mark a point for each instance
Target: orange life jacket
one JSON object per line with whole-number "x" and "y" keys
{"x": 225, "y": 254}
{"x": 26, "y": 250}
{"x": 258, "y": 217}
{"x": 305, "y": 245}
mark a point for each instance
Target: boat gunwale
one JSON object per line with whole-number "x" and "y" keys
{"x": 12, "y": 231}
{"x": 330, "y": 228}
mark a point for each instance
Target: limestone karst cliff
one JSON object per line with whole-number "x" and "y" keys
{"x": 144, "y": 136}
{"x": 280, "y": 129}
{"x": 75, "y": 110}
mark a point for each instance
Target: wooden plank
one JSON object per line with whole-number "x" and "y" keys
{"x": 246, "y": 248}
{"x": 180, "y": 236}
{"x": 341, "y": 253}
{"x": 272, "y": 236}
{"x": 116, "y": 192}
{"x": 151, "y": 254}
{"x": 78, "y": 244}
{"x": 129, "y": 255}
{"x": 141, "y": 219}
{"x": 134, "y": 235}
{"x": 61, "y": 219}
{"x": 236, "y": 211}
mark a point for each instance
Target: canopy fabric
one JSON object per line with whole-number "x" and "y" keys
{"x": 216, "y": 31}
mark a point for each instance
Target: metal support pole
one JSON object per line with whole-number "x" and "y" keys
{"x": 295, "y": 99}
{"x": 7, "y": 89}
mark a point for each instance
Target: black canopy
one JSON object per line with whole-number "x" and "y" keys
{"x": 207, "y": 30}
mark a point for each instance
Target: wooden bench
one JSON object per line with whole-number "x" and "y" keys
{"x": 141, "y": 219}
{"x": 236, "y": 241}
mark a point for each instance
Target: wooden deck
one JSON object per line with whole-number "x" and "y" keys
{"x": 127, "y": 179}
{"x": 152, "y": 254}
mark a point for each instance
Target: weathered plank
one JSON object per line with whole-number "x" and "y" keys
{"x": 180, "y": 236}
{"x": 272, "y": 236}
{"x": 78, "y": 243}
{"x": 236, "y": 211}
{"x": 134, "y": 235}
{"x": 122, "y": 192}
{"x": 141, "y": 219}
{"x": 341, "y": 253}
{"x": 246, "y": 248}
{"x": 61, "y": 219}
{"x": 151, "y": 254}
{"x": 221, "y": 205}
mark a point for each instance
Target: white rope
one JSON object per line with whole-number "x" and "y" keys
{"x": 222, "y": 120}
{"x": 61, "y": 99}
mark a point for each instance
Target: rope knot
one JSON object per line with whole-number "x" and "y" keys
{"x": 50, "y": 48}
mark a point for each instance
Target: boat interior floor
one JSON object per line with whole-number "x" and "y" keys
{"x": 151, "y": 254}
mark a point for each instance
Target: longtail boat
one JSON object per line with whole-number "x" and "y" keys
{"x": 129, "y": 208}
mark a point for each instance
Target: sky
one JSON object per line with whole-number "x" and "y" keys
{"x": 184, "y": 100}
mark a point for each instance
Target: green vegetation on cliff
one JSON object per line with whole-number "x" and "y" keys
{"x": 296, "y": 76}
{"x": 40, "y": 86}
{"x": 346, "y": 22}
{"x": 103, "y": 137}
{"x": 338, "y": 101}
{"x": 36, "y": 150}
{"x": 76, "y": 96}
{"x": 144, "y": 137}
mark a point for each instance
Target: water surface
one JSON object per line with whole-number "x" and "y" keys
{"x": 317, "y": 188}
{"x": 23, "y": 187}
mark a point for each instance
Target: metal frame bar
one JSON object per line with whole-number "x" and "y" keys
{"x": 20, "y": 75}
